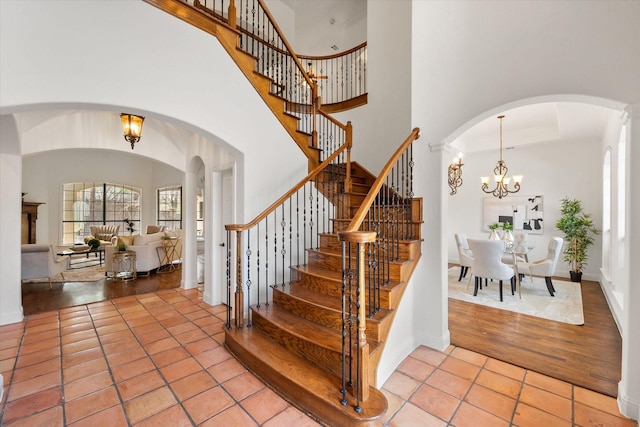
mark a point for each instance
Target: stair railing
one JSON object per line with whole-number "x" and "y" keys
{"x": 276, "y": 240}
{"x": 341, "y": 78}
{"x": 262, "y": 38}
{"x": 370, "y": 244}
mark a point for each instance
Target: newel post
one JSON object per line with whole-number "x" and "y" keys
{"x": 360, "y": 238}
{"x": 231, "y": 15}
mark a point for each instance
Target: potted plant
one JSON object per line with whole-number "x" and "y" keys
{"x": 94, "y": 243}
{"x": 122, "y": 247}
{"x": 494, "y": 233}
{"x": 130, "y": 224}
{"x": 579, "y": 231}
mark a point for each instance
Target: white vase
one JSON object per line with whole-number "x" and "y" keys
{"x": 494, "y": 235}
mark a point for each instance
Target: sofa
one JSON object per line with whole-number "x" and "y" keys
{"x": 107, "y": 234}
{"x": 150, "y": 250}
{"x": 41, "y": 261}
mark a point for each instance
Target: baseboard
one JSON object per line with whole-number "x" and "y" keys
{"x": 14, "y": 317}
{"x": 628, "y": 407}
{"x": 391, "y": 360}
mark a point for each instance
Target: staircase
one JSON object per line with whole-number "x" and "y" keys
{"x": 320, "y": 323}
{"x": 294, "y": 343}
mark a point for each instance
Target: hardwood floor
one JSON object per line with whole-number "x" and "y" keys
{"x": 589, "y": 355}
{"x": 37, "y": 298}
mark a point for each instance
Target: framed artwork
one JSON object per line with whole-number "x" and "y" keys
{"x": 524, "y": 212}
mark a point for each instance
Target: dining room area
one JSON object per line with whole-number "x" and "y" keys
{"x": 511, "y": 294}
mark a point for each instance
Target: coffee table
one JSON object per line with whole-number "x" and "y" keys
{"x": 69, "y": 252}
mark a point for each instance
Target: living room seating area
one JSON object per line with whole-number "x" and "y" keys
{"x": 152, "y": 250}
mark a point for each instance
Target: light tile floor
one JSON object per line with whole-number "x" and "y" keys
{"x": 158, "y": 360}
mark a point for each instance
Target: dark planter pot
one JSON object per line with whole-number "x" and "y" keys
{"x": 576, "y": 276}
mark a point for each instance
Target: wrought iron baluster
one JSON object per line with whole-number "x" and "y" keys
{"x": 283, "y": 251}
{"x": 228, "y": 266}
{"x": 248, "y": 282}
{"x": 258, "y": 265}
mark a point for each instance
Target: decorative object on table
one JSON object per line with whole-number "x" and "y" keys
{"x": 94, "y": 243}
{"x": 500, "y": 176}
{"x": 494, "y": 234}
{"x": 525, "y": 213}
{"x": 131, "y": 127}
{"x": 80, "y": 248}
{"x": 455, "y": 174}
{"x": 507, "y": 234}
{"x": 579, "y": 231}
{"x": 122, "y": 247}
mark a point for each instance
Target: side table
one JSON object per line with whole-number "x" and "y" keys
{"x": 167, "y": 254}
{"x": 124, "y": 266}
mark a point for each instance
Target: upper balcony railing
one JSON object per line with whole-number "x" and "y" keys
{"x": 341, "y": 78}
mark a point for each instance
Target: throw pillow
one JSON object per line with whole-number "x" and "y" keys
{"x": 127, "y": 240}
{"x": 104, "y": 236}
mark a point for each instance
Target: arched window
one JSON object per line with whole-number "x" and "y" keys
{"x": 87, "y": 204}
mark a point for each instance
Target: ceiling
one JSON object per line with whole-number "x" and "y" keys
{"x": 532, "y": 124}
{"x": 537, "y": 123}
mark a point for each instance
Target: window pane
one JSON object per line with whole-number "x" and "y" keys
{"x": 86, "y": 204}
{"x": 170, "y": 207}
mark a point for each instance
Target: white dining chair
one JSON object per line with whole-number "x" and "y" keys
{"x": 487, "y": 264}
{"x": 545, "y": 267}
{"x": 465, "y": 255}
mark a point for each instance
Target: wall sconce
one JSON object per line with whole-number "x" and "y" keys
{"x": 455, "y": 174}
{"x": 131, "y": 127}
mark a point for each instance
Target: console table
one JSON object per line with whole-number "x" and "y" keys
{"x": 124, "y": 266}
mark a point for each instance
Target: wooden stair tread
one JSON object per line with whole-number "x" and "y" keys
{"x": 303, "y": 383}
{"x": 305, "y": 329}
{"x": 328, "y": 301}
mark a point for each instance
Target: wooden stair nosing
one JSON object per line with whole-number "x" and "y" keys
{"x": 307, "y": 386}
{"x": 314, "y": 342}
{"x": 326, "y": 310}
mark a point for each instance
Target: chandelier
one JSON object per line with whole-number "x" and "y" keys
{"x": 500, "y": 176}
{"x": 455, "y": 174}
{"x": 131, "y": 127}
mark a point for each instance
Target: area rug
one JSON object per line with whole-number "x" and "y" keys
{"x": 86, "y": 274}
{"x": 565, "y": 306}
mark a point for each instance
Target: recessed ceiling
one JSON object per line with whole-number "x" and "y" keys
{"x": 537, "y": 123}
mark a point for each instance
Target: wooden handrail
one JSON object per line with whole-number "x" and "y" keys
{"x": 360, "y": 215}
{"x": 285, "y": 41}
{"x": 335, "y": 55}
{"x": 277, "y": 203}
